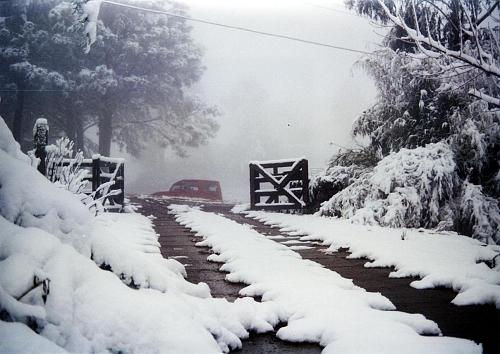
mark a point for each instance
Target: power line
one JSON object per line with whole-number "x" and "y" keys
{"x": 8, "y": 90}
{"x": 238, "y": 28}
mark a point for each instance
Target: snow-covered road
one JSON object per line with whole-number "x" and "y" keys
{"x": 317, "y": 304}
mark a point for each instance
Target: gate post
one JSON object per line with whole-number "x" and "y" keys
{"x": 96, "y": 174}
{"x": 305, "y": 182}
{"x": 120, "y": 183}
{"x": 253, "y": 186}
{"x": 41, "y": 139}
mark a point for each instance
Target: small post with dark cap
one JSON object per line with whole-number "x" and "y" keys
{"x": 41, "y": 139}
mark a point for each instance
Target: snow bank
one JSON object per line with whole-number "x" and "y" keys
{"x": 317, "y": 304}
{"x": 9, "y": 145}
{"x": 49, "y": 281}
{"x": 91, "y": 310}
{"x": 28, "y": 199}
{"x": 444, "y": 259}
{"x": 128, "y": 245}
{"x": 19, "y": 338}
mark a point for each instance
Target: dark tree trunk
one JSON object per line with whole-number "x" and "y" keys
{"x": 17, "y": 126}
{"x": 75, "y": 126}
{"x": 105, "y": 132}
{"x": 79, "y": 136}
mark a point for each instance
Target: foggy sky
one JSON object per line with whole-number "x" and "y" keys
{"x": 278, "y": 98}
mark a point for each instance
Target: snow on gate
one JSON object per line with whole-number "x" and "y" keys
{"x": 285, "y": 183}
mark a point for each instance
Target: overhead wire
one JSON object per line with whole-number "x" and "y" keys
{"x": 41, "y": 90}
{"x": 218, "y": 24}
{"x": 237, "y": 28}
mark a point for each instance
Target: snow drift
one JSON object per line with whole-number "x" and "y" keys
{"x": 54, "y": 297}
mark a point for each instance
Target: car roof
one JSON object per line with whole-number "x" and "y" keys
{"x": 197, "y": 181}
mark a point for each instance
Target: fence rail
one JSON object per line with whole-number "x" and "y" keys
{"x": 106, "y": 175}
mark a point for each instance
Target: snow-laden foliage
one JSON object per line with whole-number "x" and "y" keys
{"x": 88, "y": 13}
{"x": 344, "y": 169}
{"x": 134, "y": 86}
{"x": 479, "y": 214}
{"x": 459, "y": 37}
{"x": 411, "y": 109}
{"x": 418, "y": 188}
{"x": 401, "y": 189}
{"x": 55, "y": 296}
{"x": 436, "y": 81}
{"x": 333, "y": 180}
{"x": 63, "y": 167}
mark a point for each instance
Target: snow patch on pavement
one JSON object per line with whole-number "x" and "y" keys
{"x": 445, "y": 259}
{"x": 318, "y": 304}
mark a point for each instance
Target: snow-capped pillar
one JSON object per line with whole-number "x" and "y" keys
{"x": 41, "y": 139}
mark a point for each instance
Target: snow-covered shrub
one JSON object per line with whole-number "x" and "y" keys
{"x": 410, "y": 188}
{"x": 331, "y": 181}
{"x": 63, "y": 167}
{"x": 418, "y": 188}
{"x": 476, "y": 142}
{"x": 343, "y": 169}
{"x": 479, "y": 215}
{"x": 64, "y": 170}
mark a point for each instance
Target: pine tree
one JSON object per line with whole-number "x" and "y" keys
{"x": 134, "y": 85}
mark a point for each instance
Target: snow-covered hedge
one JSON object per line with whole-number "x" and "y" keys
{"x": 418, "y": 188}
{"x": 343, "y": 170}
{"x": 331, "y": 181}
{"x": 479, "y": 215}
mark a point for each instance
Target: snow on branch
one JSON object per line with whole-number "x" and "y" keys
{"x": 482, "y": 96}
{"x": 88, "y": 12}
{"x": 478, "y": 48}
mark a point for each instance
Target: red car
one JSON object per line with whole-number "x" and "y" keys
{"x": 194, "y": 188}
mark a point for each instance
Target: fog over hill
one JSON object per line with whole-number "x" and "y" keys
{"x": 277, "y": 98}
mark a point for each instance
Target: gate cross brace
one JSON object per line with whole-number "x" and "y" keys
{"x": 280, "y": 185}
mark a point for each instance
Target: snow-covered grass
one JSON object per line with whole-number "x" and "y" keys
{"x": 55, "y": 297}
{"x": 317, "y": 304}
{"x": 439, "y": 259}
